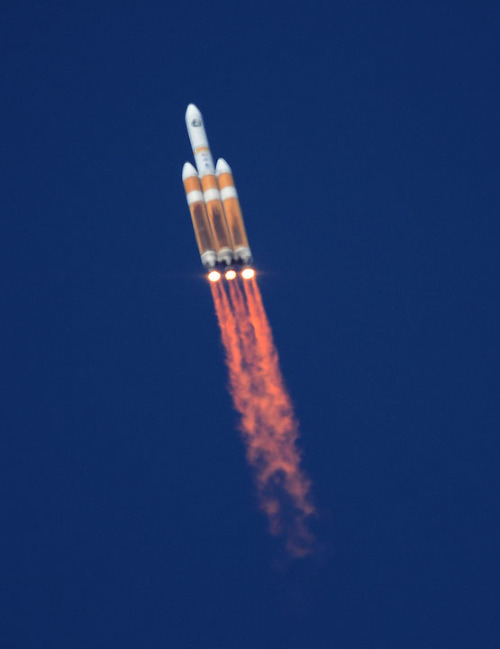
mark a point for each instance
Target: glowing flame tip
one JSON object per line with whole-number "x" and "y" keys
{"x": 214, "y": 276}
{"x": 248, "y": 273}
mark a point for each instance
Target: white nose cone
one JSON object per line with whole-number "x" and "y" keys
{"x": 199, "y": 142}
{"x": 188, "y": 171}
{"x": 195, "y": 128}
{"x": 222, "y": 167}
{"x": 193, "y": 117}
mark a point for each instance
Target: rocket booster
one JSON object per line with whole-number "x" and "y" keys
{"x": 197, "y": 207}
{"x": 213, "y": 203}
{"x": 232, "y": 210}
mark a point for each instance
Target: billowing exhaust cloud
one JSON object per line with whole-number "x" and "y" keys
{"x": 268, "y": 423}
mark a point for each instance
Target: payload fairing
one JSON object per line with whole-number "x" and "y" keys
{"x": 214, "y": 206}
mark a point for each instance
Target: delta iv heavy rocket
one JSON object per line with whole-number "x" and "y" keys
{"x": 215, "y": 208}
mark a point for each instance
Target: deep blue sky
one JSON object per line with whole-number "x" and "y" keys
{"x": 364, "y": 139}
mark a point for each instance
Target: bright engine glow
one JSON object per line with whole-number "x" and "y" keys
{"x": 248, "y": 273}
{"x": 214, "y": 276}
{"x": 230, "y": 274}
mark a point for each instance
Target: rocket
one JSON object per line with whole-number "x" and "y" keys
{"x": 214, "y": 206}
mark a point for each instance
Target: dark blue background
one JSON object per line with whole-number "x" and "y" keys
{"x": 364, "y": 141}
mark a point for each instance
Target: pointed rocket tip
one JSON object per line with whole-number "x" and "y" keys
{"x": 192, "y": 111}
{"x": 188, "y": 171}
{"x": 222, "y": 167}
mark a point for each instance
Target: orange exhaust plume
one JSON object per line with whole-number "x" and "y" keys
{"x": 239, "y": 380}
{"x": 267, "y": 423}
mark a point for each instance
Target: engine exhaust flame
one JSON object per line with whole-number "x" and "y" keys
{"x": 268, "y": 424}
{"x": 248, "y": 273}
{"x": 214, "y": 276}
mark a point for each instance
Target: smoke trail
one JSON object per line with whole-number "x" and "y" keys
{"x": 239, "y": 379}
{"x": 267, "y": 423}
{"x": 282, "y": 474}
